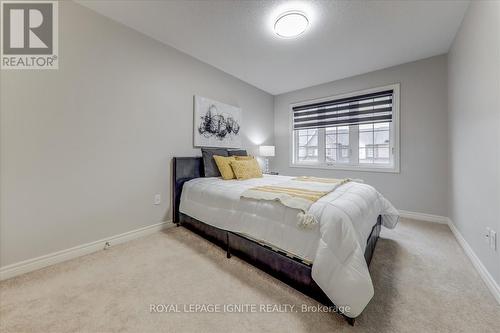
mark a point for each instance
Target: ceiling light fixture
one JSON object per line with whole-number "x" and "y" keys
{"x": 291, "y": 24}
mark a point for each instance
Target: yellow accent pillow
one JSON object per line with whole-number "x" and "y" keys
{"x": 246, "y": 169}
{"x": 223, "y": 163}
{"x": 244, "y": 158}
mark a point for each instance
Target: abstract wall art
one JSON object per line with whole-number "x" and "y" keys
{"x": 216, "y": 124}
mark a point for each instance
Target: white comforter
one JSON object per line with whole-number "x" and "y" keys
{"x": 346, "y": 217}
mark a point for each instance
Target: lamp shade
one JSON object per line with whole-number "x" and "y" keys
{"x": 266, "y": 151}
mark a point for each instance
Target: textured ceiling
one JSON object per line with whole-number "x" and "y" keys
{"x": 345, "y": 38}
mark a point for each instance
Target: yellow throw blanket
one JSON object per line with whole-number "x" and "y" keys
{"x": 309, "y": 195}
{"x": 299, "y": 193}
{"x": 319, "y": 179}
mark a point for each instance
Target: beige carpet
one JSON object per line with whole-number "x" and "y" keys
{"x": 423, "y": 283}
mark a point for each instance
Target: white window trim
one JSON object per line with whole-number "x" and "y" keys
{"x": 395, "y": 148}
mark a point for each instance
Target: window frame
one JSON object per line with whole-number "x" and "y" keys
{"x": 353, "y": 164}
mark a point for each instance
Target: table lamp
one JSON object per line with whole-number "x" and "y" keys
{"x": 266, "y": 151}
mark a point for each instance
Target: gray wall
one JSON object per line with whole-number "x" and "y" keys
{"x": 421, "y": 186}
{"x": 474, "y": 116}
{"x": 85, "y": 148}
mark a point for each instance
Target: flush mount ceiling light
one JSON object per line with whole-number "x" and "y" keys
{"x": 291, "y": 24}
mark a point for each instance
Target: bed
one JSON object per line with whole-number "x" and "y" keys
{"x": 266, "y": 233}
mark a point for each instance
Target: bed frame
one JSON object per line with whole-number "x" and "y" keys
{"x": 290, "y": 270}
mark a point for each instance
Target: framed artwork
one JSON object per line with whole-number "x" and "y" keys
{"x": 216, "y": 124}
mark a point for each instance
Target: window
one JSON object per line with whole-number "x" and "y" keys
{"x": 307, "y": 141}
{"x": 337, "y": 144}
{"x": 357, "y": 131}
{"x": 375, "y": 143}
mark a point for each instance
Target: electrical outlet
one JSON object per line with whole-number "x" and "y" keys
{"x": 157, "y": 199}
{"x": 493, "y": 240}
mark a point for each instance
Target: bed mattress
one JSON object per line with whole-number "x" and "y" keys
{"x": 217, "y": 202}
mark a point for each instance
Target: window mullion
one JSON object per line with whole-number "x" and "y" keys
{"x": 354, "y": 144}
{"x": 321, "y": 146}
{"x": 338, "y": 149}
{"x": 373, "y": 143}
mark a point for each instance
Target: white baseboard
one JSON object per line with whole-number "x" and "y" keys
{"x": 423, "y": 217}
{"x": 478, "y": 265}
{"x": 29, "y": 265}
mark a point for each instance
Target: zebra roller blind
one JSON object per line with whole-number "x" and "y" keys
{"x": 362, "y": 109}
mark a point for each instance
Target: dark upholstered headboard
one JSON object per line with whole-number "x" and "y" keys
{"x": 184, "y": 169}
